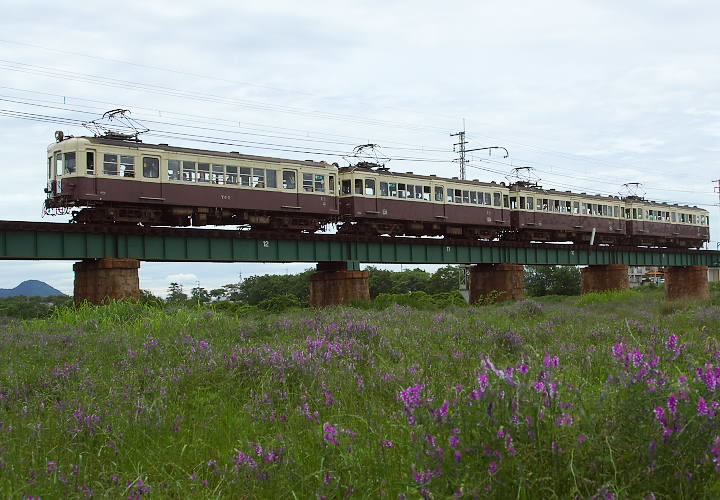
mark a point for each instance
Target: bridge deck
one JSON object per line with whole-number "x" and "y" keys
{"x": 56, "y": 241}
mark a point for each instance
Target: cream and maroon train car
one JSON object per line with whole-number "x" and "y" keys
{"x": 549, "y": 215}
{"x": 111, "y": 181}
{"x": 659, "y": 224}
{"x": 377, "y": 201}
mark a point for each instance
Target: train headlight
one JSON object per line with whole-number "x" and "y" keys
{"x": 59, "y": 136}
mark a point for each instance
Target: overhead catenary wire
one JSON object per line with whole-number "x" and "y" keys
{"x": 51, "y": 72}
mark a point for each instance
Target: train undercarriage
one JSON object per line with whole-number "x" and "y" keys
{"x": 374, "y": 227}
{"x": 196, "y": 216}
{"x": 181, "y": 216}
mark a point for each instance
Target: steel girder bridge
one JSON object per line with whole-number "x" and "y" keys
{"x": 61, "y": 241}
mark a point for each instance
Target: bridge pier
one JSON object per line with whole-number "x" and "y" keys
{"x": 333, "y": 284}
{"x": 101, "y": 280}
{"x": 686, "y": 282}
{"x": 507, "y": 279}
{"x": 604, "y": 278}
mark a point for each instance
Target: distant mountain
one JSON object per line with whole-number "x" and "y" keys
{"x": 30, "y": 288}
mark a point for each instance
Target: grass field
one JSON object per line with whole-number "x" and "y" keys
{"x": 603, "y": 396}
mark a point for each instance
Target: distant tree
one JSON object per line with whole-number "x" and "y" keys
{"x": 200, "y": 295}
{"x": 444, "y": 280}
{"x": 379, "y": 281}
{"x": 148, "y": 298}
{"x": 415, "y": 280}
{"x": 255, "y": 289}
{"x": 233, "y": 292}
{"x": 217, "y": 294}
{"x": 176, "y": 294}
{"x": 552, "y": 280}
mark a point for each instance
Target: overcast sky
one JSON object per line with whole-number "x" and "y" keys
{"x": 592, "y": 94}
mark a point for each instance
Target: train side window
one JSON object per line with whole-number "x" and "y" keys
{"x": 393, "y": 189}
{"x": 383, "y": 189}
{"x": 616, "y": 211}
{"x": 370, "y": 187}
{"x": 401, "y": 191}
{"x": 358, "y": 186}
{"x": 59, "y": 164}
{"x": 246, "y": 173}
{"x": 173, "y": 170}
{"x": 346, "y": 187}
{"x": 271, "y": 179}
{"x": 90, "y": 163}
{"x": 673, "y": 217}
{"x": 127, "y": 166}
{"x": 473, "y": 197}
{"x": 308, "y": 183}
{"x": 418, "y": 192}
{"x": 410, "y": 191}
{"x": 513, "y": 203}
{"x": 319, "y": 183}
{"x": 70, "y": 163}
{"x": 203, "y": 172}
{"x": 288, "y": 179}
{"x": 450, "y": 198}
{"x": 640, "y": 213}
{"x": 576, "y": 207}
{"x": 189, "y": 172}
{"x": 466, "y": 197}
{"x": 110, "y": 164}
{"x": 496, "y": 199}
{"x": 568, "y": 207}
{"x": 488, "y": 199}
{"x": 506, "y": 201}
{"x": 627, "y": 213}
{"x": 458, "y": 196}
{"x": 427, "y": 195}
{"x": 151, "y": 167}
{"x": 481, "y": 198}
{"x": 438, "y": 193}
{"x": 218, "y": 174}
{"x": 231, "y": 174}
{"x": 258, "y": 179}
{"x": 530, "y": 203}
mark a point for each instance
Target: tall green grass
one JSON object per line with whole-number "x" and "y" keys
{"x": 534, "y": 399}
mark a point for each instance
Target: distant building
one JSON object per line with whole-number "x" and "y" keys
{"x": 649, "y": 275}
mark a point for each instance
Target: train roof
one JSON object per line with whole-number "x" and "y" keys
{"x": 200, "y": 152}
{"x": 606, "y": 198}
{"x": 412, "y": 175}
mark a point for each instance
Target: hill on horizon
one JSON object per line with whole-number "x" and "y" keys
{"x": 31, "y": 288}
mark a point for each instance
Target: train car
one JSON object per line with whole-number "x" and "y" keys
{"x": 374, "y": 200}
{"x": 106, "y": 180}
{"x": 660, "y": 224}
{"x": 549, "y": 215}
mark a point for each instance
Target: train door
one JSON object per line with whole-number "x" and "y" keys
{"x": 366, "y": 188}
{"x": 290, "y": 186}
{"x": 332, "y": 193}
{"x": 151, "y": 189}
{"x": 90, "y": 170}
{"x": 439, "y": 208}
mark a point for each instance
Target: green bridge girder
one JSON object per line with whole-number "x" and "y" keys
{"x": 47, "y": 241}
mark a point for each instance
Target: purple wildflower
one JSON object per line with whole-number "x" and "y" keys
{"x": 330, "y": 434}
{"x": 492, "y": 468}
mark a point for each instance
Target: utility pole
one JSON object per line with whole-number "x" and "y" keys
{"x": 461, "y": 143}
{"x": 717, "y": 188}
